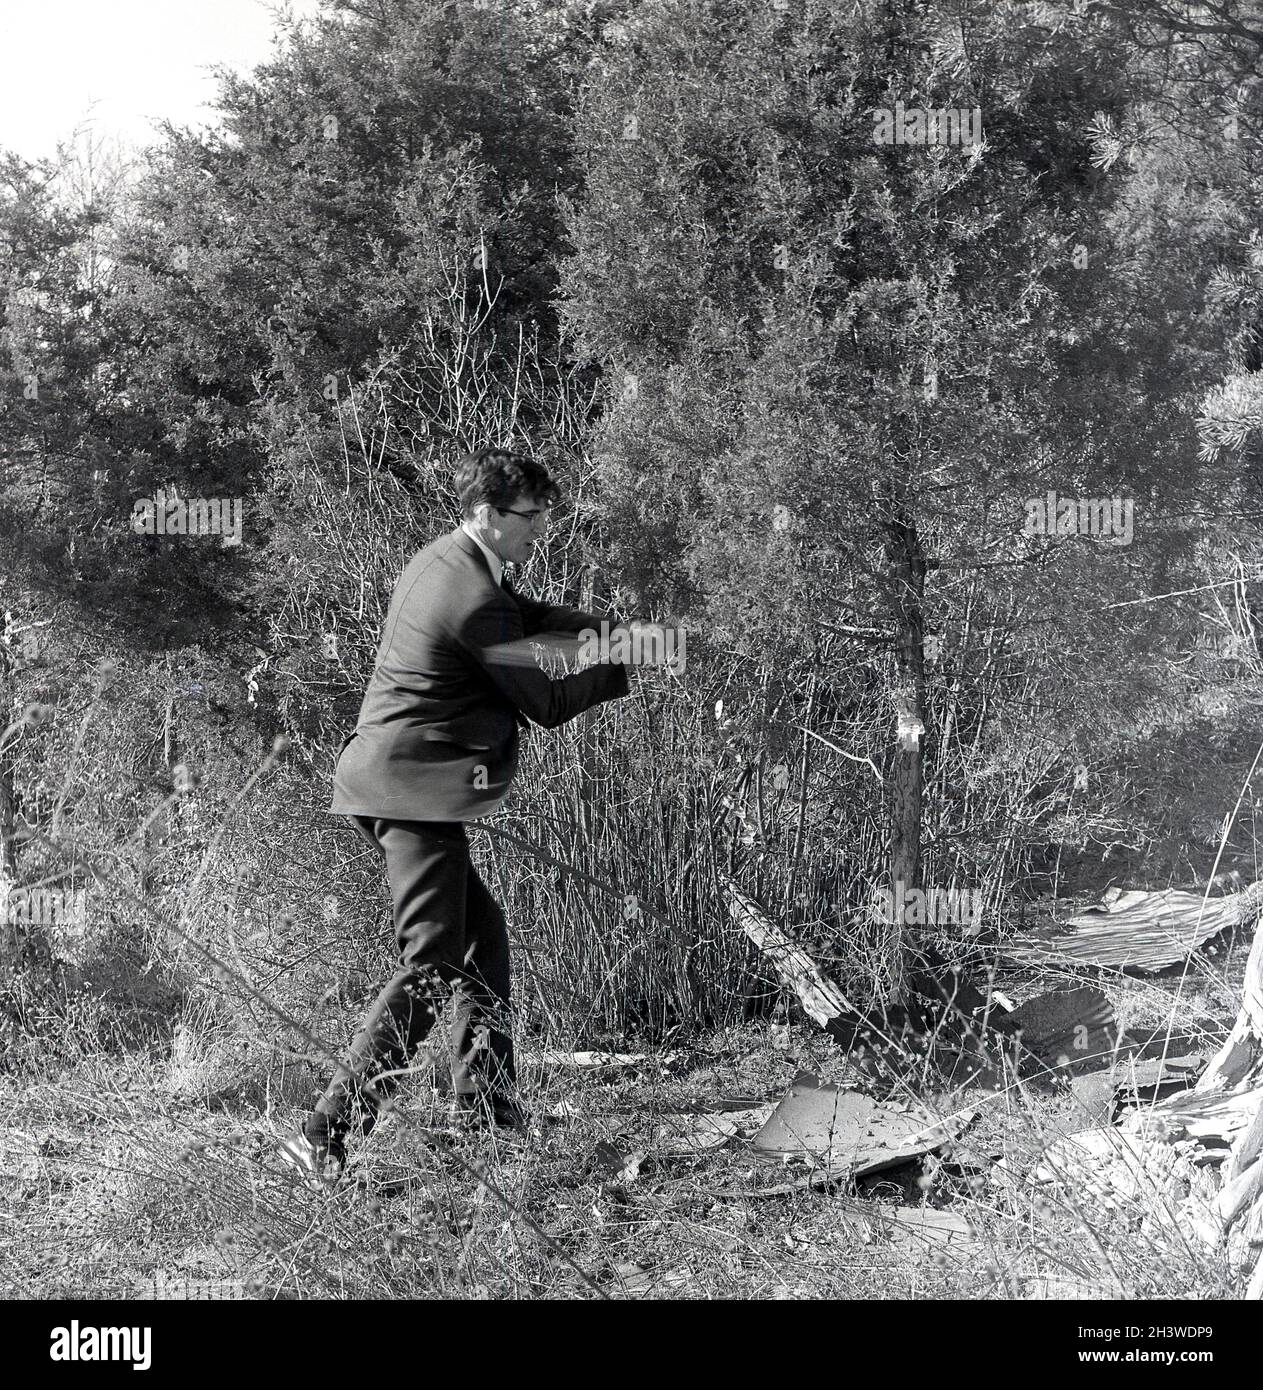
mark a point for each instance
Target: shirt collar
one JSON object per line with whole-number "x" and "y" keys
{"x": 493, "y": 560}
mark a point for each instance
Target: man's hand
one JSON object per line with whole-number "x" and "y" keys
{"x": 649, "y": 642}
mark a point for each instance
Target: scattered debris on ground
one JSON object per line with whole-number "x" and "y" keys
{"x": 851, "y": 1128}
{"x": 1156, "y": 1127}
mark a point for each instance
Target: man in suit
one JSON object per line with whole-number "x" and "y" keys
{"x": 436, "y": 746}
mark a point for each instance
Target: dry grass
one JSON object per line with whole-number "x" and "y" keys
{"x": 150, "y": 1172}
{"x": 145, "y": 1087}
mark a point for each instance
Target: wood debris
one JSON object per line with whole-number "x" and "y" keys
{"x": 550, "y": 1058}
{"x": 1141, "y": 931}
{"x": 1168, "y": 1146}
{"x": 821, "y": 999}
{"x": 689, "y": 1134}
{"x": 1160, "y": 1153}
{"x": 1073, "y": 1029}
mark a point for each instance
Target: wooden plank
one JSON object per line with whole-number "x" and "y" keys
{"x": 821, "y": 999}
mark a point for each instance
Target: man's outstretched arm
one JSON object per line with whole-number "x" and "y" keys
{"x": 548, "y": 617}
{"x": 543, "y": 700}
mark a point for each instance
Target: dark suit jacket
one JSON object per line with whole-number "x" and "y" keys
{"x": 437, "y": 737}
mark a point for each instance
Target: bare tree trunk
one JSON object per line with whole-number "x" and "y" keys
{"x": 8, "y": 794}
{"x": 589, "y": 753}
{"x": 905, "y": 779}
{"x": 10, "y": 942}
{"x": 907, "y": 573}
{"x": 160, "y": 828}
{"x": 8, "y": 821}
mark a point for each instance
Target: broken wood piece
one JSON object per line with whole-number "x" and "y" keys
{"x": 1240, "y": 1059}
{"x": 1240, "y": 1193}
{"x": 1140, "y": 930}
{"x": 821, "y": 999}
{"x": 551, "y": 1058}
{"x": 1116, "y": 1168}
{"x": 888, "y": 1033}
{"x": 1246, "y": 1148}
{"x": 891, "y": 1032}
{"x": 693, "y": 1133}
{"x": 1073, "y": 1029}
{"x": 1210, "y": 1117}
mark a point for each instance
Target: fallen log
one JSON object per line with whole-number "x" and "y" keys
{"x": 820, "y": 998}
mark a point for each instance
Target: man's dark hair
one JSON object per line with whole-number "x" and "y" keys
{"x": 500, "y": 476}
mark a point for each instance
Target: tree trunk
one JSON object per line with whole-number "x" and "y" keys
{"x": 907, "y": 573}
{"x": 589, "y": 752}
{"x": 906, "y": 569}
{"x": 8, "y": 821}
{"x": 9, "y": 939}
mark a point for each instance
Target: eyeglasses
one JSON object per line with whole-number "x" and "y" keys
{"x": 545, "y": 512}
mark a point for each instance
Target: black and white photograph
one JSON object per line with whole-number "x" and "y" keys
{"x": 631, "y": 667}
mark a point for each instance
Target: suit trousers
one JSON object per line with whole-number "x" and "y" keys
{"x": 451, "y": 935}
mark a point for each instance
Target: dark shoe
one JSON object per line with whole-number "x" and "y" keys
{"x": 482, "y": 1112}
{"x": 444, "y": 1136}
{"x": 508, "y": 1114}
{"x": 319, "y": 1165}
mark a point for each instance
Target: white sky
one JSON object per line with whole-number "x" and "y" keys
{"x": 136, "y": 59}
